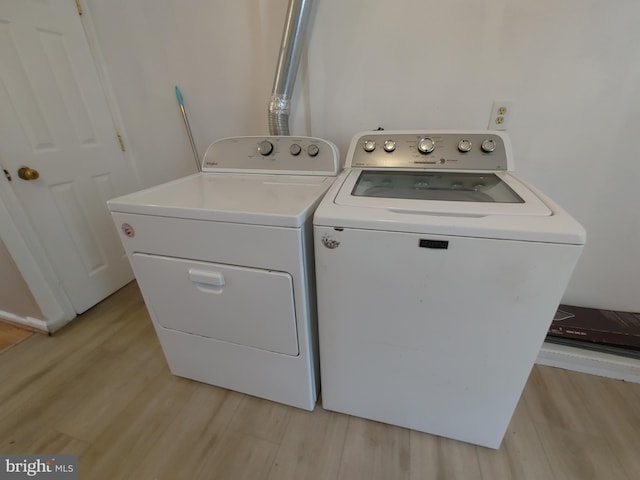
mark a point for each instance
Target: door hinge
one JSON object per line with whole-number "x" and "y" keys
{"x": 79, "y": 7}
{"x": 121, "y": 142}
{"x": 7, "y": 174}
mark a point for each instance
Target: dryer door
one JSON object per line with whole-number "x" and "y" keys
{"x": 241, "y": 305}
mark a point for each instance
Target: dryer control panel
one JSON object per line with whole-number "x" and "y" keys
{"x": 427, "y": 150}
{"x": 284, "y": 155}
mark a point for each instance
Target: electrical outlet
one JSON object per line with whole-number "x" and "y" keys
{"x": 501, "y": 111}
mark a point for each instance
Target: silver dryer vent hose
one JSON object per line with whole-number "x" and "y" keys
{"x": 288, "y": 61}
{"x": 279, "y": 108}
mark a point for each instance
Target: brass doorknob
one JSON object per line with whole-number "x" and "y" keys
{"x": 27, "y": 173}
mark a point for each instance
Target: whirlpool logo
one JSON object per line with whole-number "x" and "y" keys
{"x": 330, "y": 242}
{"x": 50, "y": 467}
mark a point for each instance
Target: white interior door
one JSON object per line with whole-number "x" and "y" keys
{"x": 54, "y": 118}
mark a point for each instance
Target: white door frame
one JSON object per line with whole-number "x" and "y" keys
{"x": 21, "y": 240}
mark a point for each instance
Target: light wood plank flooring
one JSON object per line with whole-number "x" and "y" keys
{"x": 11, "y": 335}
{"x": 101, "y": 388}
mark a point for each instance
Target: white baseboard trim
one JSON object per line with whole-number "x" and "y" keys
{"x": 26, "y": 321}
{"x": 47, "y": 326}
{"x": 588, "y": 361}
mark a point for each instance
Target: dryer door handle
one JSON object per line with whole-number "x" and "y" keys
{"x": 206, "y": 278}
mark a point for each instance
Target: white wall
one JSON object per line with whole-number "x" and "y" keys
{"x": 15, "y": 296}
{"x": 571, "y": 67}
{"x": 221, "y": 54}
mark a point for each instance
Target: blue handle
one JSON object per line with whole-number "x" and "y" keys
{"x": 179, "y": 96}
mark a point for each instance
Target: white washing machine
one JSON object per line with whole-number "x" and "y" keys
{"x": 438, "y": 274}
{"x": 224, "y": 260}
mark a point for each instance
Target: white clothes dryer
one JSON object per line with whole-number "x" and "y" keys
{"x": 224, "y": 260}
{"x": 438, "y": 275}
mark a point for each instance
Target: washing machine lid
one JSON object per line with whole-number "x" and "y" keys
{"x": 441, "y": 183}
{"x": 258, "y": 199}
{"x": 440, "y": 192}
{"x": 536, "y": 219}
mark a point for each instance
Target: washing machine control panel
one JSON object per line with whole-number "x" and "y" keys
{"x": 456, "y": 150}
{"x": 275, "y": 155}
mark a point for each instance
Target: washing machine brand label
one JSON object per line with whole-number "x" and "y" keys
{"x": 435, "y": 244}
{"x": 128, "y": 230}
{"x": 329, "y": 241}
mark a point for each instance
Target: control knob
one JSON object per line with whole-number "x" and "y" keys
{"x": 426, "y": 145}
{"x": 295, "y": 149}
{"x": 313, "y": 150}
{"x": 488, "y": 145}
{"x": 369, "y": 145}
{"x": 464, "y": 145}
{"x": 389, "y": 146}
{"x": 265, "y": 148}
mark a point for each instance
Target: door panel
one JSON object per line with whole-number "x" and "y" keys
{"x": 54, "y": 118}
{"x": 242, "y": 305}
